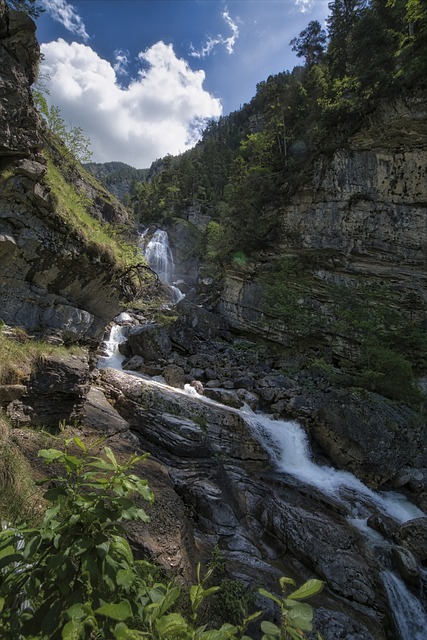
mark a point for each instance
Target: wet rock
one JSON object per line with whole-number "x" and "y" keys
{"x": 10, "y": 392}
{"x": 251, "y": 399}
{"x": 406, "y": 565}
{"x": 366, "y": 434}
{"x": 136, "y": 363}
{"x": 98, "y": 413}
{"x": 197, "y": 385}
{"x": 224, "y": 396}
{"x": 56, "y": 391}
{"x": 174, "y": 376}
{"x": 150, "y": 341}
{"x": 413, "y": 536}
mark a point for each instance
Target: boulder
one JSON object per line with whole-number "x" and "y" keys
{"x": 174, "y": 376}
{"x": 150, "y": 341}
{"x": 366, "y": 433}
{"x": 413, "y": 536}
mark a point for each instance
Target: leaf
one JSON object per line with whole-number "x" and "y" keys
{"x": 169, "y": 599}
{"x": 122, "y": 632}
{"x": 79, "y": 443}
{"x": 110, "y": 455}
{"x": 2, "y": 601}
{"x": 284, "y": 581}
{"x": 122, "y": 547}
{"x": 309, "y": 588}
{"x": 172, "y": 625}
{"x": 50, "y": 455}
{"x": 269, "y": 595}
{"x": 32, "y": 547}
{"x": 125, "y": 578}
{"x": 119, "y": 611}
{"x": 13, "y": 557}
{"x": 71, "y": 630}
{"x": 101, "y": 464}
{"x": 224, "y": 633}
{"x": 270, "y": 628}
{"x": 301, "y": 616}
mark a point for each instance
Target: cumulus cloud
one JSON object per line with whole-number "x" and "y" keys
{"x": 161, "y": 111}
{"x": 211, "y": 43}
{"x": 66, "y": 14}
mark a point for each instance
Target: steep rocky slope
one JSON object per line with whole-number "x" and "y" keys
{"x": 360, "y": 217}
{"x": 51, "y": 275}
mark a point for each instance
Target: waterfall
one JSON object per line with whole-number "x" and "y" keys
{"x": 113, "y": 358}
{"x": 288, "y": 446}
{"x": 157, "y": 252}
{"x": 408, "y": 614}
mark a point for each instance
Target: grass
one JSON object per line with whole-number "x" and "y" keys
{"x": 99, "y": 237}
{"x": 18, "y": 353}
{"x": 20, "y": 498}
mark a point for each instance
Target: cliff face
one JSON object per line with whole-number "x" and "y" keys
{"x": 50, "y": 276}
{"x": 362, "y": 213}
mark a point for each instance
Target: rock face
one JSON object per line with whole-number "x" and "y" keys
{"x": 264, "y": 523}
{"x": 50, "y": 279}
{"x": 367, "y": 434}
{"x": 361, "y": 212}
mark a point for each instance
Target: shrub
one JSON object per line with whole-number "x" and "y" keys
{"x": 75, "y": 576}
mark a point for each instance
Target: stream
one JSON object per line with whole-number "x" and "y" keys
{"x": 288, "y": 447}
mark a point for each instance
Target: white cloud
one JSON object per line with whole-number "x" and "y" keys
{"x": 304, "y": 5}
{"x": 159, "y": 112}
{"x": 66, "y": 14}
{"x": 211, "y": 43}
{"x": 122, "y": 62}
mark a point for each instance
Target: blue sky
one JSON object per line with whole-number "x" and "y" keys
{"x": 142, "y": 77}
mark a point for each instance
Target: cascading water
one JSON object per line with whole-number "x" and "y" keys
{"x": 113, "y": 358}
{"x": 409, "y": 616}
{"x": 157, "y": 252}
{"x": 288, "y": 446}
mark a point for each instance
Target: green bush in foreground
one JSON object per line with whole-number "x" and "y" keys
{"x": 75, "y": 576}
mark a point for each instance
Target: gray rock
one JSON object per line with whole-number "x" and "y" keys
{"x": 413, "y": 536}
{"x": 174, "y": 376}
{"x": 406, "y": 565}
{"x": 150, "y": 341}
{"x": 366, "y": 434}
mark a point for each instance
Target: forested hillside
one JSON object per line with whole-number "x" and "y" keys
{"x": 249, "y": 163}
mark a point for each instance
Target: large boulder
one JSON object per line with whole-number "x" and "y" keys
{"x": 367, "y": 434}
{"x": 150, "y": 341}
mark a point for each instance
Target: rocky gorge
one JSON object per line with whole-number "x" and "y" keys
{"x": 275, "y": 465}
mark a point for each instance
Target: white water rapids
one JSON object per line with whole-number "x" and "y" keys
{"x": 288, "y": 446}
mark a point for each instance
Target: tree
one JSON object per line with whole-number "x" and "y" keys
{"x": 343, "y": 16}
{"x": 73, "y": 138}
{"x": 310, "y": 44}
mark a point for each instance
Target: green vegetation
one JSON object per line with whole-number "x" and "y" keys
{"x": 19, "y": 496}
{"x": 249, "y": 164}
{"x": 75, "y": 576}
{"x": 76, "y": 145}
{"x": 74, "y": 210}
{"x": 19, "y": 352}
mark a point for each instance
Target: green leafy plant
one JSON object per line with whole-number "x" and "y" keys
{"x": 75, "y": 577}
{"x": 75, "y": 574}
{"x": 296, "y": 616}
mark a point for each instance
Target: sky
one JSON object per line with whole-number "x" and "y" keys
{"x": 143, "y": 77}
